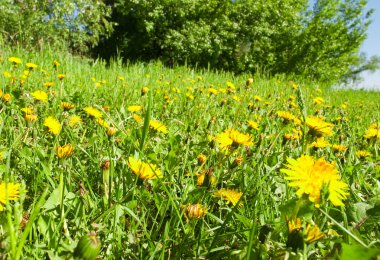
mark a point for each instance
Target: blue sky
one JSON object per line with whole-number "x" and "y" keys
{"x": 371, "y": 46}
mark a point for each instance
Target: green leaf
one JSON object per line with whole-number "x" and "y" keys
{"x": 53, "y": 201}
{"x": 350, "y": 252}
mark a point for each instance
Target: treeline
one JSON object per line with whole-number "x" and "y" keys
{"x": 320, "y": 41}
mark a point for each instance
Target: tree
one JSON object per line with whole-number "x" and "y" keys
{"x": 233, "y": 35}
{"x": 321, "y": 42}
{"x": 78, "y": 25}
{"x": 328, "y": 45}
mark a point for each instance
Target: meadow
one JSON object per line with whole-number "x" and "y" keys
{"x": 140, "y": 161}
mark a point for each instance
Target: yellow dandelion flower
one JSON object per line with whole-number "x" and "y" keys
{"x": 297, "y": 121}
{"x": 257, "y": 98}
{"x": 230, "y": 85}
{"x": 296, "y": 135}
{"x": 309, "y": 175}
{"x": 253, "y": 125}
{"x": 176, "y": 90}
{"x": 318, "y": 127}
{"x": 313, "y": 233}
{"x": 373, "y": 132}
{"x": 253, "y": 106}
{"x": 190, "y": 96}
{"x": 53, "y": 125}
{"x": 40, "y": 95}
{"x": 362, "y": 154}
{"x": 7, "y": 97}
{"x": 65, "y": 151}
{"x": 144, "y": 90}
{"x": 339, "y": 148}
{"x": 25, "y": 74}
{"x": 74, "y": 120}
{"x": 138, "y": 118}
{"x": 232, "y": 138}
{"x": 67, "y": 105}
{"x": 158, "y": 126}
{"x": 195, "y": 211}
{"x": 61, "y": 76}
{"x": 28, "y": 110}
{"x": 30, "y": 117}
{"x": 318, "y": 100}
{"x": 93, "y": 112}
{"x": 134, "y": 108}
{"x": 320, "y": 143}
{"x": 102, "y": 122}
{"x": 14, "y": 60}
{"x": 286, "y": 116}
{"x": 10, "y": 191}
{"x": 293, "y": 105}
{"x": 206, "y": 178}
{"x": 31, "y": 66}
{"x": 7, "y": 74}
{"x": 294, "y": 224}
{"x": 212, "y": 91}
{"x": 145, "y": 171}
{"x": 48, "y": 84}
{"x": 231, "y": 196}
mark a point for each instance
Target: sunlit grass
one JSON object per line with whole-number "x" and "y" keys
{"x": 175, "y": 163}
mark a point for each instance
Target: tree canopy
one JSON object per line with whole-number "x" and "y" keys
{"x": 320, "y": 42}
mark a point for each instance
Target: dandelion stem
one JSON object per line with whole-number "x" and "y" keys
{"x": 343, "y": 228}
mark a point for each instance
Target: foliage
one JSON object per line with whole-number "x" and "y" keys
{"x": 328, "y": 46}
{"x": 111, "y": 183}
{"x": 77, "y": 25}
{"x": 321, "y": 42}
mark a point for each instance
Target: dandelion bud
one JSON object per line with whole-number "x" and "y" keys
{"x": 88, "y": 247}
{"x": 105, "y": 165}
{"x": 195, "y": 211}
{"x": 144, "y": 90}
{"x": 111, "y": 131}
{"x": 7, "y": 97}
{"x": 238, "y": 160}
{"x": 106, "y": 108}
{"x": 65, "y": 151}
{"x": 249, "y": 82}
{"x": 56, "y": 64}
{"x": 201, "y": 158}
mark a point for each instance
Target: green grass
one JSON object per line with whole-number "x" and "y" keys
{"x": 62, "y": 200}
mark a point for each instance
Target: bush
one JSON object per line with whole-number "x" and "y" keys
{"x": 242, "y": 36}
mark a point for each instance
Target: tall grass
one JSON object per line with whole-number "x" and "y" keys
{"x": 95, "y": 191}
